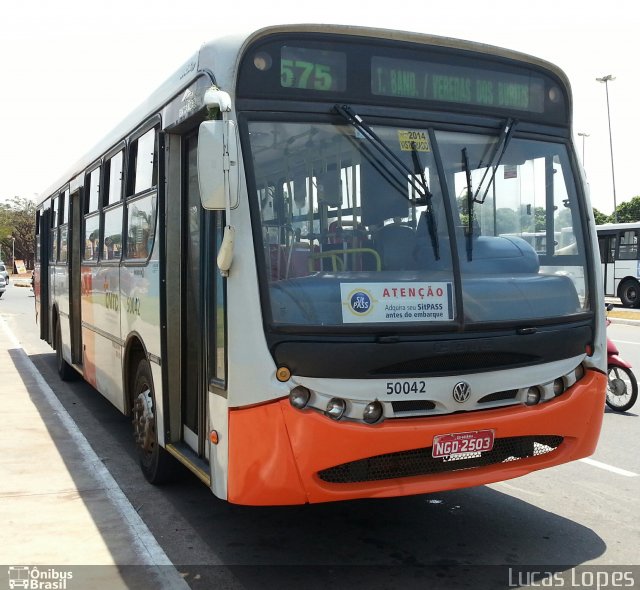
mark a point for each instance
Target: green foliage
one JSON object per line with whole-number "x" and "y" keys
{"x": 600, "y": 217}
{"x": 628, "y": 211}
{"x": 506, "y": 221}
{"x": 540, "y": 216}
{"x": 17, "y": 220}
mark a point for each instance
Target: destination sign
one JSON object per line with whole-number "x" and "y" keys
{"x": 365, "y": 71}
{"x": 430, "y": 81}
{"x": 313, "y": 69}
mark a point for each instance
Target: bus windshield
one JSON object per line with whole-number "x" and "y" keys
{"x": 372, "y": 229}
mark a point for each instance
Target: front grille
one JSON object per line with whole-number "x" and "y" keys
{"x": 417, "y": 462}
{"x": 412, "y": 405}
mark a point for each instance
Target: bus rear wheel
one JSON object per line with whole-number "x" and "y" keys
{"x": 629, "y": 293}
{"x": 156, "y": 464}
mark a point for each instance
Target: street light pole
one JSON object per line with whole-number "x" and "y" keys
{"x": 583, "y": 135}
{"x": 606, "y": 79}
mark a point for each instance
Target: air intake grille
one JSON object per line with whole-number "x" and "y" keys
{"x": 420, "y": 462}
{"x": 414, "y": 405}
{"x": 498, "y": 396}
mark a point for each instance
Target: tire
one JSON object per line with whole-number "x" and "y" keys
{"x": 65, "y": 371}
{"x": 156, "y": 464}
{"x": 629, "y": 293}
{"x": 622, "y": 388}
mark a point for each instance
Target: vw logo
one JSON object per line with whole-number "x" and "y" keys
{"x": 461, "y": 392}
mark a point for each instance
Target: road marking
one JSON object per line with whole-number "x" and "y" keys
{"x": 611, "y": 468}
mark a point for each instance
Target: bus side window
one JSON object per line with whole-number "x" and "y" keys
{"x": 91, "y": 237}
{"x": 112, "y": 247}
{"x": 606, "y": 248}
{"x": 141, "y": 227}
{"x": 629, "y": 245}
{"x": 141, "y": 199}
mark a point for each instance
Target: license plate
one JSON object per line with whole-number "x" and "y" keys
{"x": 460, "y": 443}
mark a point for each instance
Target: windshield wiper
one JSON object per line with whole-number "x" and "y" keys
{"x": 356, "y": 121}
{"x": 421, "y": 188}
{"x": 467, "y": 172}
{"x": 431, "y": 218}
{"x": 501, "y": 146}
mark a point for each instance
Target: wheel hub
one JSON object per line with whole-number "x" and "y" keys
{"x": 144, "y": 421}
{"x": 617, "y": 387}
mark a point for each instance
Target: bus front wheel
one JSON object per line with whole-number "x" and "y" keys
{"x": 156, "y": 464}
{"x": 630, "y": 293}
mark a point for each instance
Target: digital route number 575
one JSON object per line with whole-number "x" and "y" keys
{"x": 305, "y": 74}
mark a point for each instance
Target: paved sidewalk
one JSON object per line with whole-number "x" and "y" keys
{"x": 60, "y": 509}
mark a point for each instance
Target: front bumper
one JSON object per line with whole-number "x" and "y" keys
{"x": 280, "y": 456}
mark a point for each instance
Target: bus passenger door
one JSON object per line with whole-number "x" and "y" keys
{"x": 45, "y": 241}
{"x": 607, "y": 247}
{"x": 75, "y": 294}
{"x": 193, "y": 326}
{"x": 194, "y": 338}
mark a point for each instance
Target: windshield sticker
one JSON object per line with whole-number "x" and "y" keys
{"x": 413, "y": 140}
{"x": 396, "y": 302}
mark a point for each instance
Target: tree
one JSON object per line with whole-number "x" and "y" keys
{"x": 600, "y": 217}
{"x": 18, "y": 220}
{"x": 629, "y": 211}
{"x": 506, "y": 221}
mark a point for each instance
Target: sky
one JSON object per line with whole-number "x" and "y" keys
{"x": 71, "y": 70}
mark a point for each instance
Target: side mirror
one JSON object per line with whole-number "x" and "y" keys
{"x": 218, "y": 164}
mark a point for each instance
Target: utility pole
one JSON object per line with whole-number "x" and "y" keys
{"x": 606, "y": 79}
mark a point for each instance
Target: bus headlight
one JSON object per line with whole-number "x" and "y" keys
{"x": 558, "y": 386}
{"x": 299, "y": 397}
{"x": 336, "y": 408}
{"x": 372, "y": 412}
{"x": 533, "y": 396}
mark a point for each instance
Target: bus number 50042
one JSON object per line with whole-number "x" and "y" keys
{"x": 406, "y": 387}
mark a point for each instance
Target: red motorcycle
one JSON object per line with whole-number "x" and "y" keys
{"x": 622, "y": 387}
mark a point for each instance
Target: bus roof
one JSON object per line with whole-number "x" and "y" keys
{"x": 221, "y": 57}
{"x": 617, "y": 226}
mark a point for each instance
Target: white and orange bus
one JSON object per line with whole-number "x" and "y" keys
{"x": 298, "y": 266}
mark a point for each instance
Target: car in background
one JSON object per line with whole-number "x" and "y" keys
{"x": 3, "y": 286}
{"x": 4, "y": 273}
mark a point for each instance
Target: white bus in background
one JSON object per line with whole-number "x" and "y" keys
{"x": 618, "y": 243}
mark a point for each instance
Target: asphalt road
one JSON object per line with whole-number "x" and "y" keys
{"x": 581, "y": 515}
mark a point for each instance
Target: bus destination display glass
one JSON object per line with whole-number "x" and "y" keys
{"x": 430, "y": 81}
{"x": 313, "y": 69}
